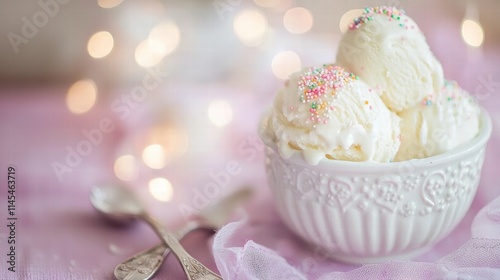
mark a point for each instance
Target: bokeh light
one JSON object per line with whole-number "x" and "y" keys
{"x": 154, "y": 156}
{"x": 145, "y": 56}
{"x": 220, "y": 112}
{"x": 250, "y": 26}
{"x": 81, "y": 96}
{"x": 108, "y": 4}
{"x": 100, "y": 44}
{"x": 472, "y": 33}
{"x": 125, "y": 168}
{"x": 347, "y": 18}
{"x": 161, "y": 189}
{"x": 164, "y": 38}
{"x": 285, "y": 63}
{"x": 174, "y": 140}
{"x": 298, "y": 20}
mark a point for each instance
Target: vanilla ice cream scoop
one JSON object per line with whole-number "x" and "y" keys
{"x": 386, "y": 49}
{"x": 328, "y": 112}
{"x": 440, "y": 123}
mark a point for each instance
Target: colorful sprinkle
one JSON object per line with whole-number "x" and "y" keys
{"x": 315, "y": 83}
{"x": 427, "y": 101}
{"x": 392, "y": 13}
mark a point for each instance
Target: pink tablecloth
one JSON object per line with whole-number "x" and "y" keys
{"x": 59, "y": 236}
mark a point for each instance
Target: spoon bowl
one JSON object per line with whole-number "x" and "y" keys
{"x": 119, "y": 202}
{"x": 115, "y": 203}
{"x": 145, "y": 264}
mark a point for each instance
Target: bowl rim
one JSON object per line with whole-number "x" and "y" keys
{"x": 474, "y": 144}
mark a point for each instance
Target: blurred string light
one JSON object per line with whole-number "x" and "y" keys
{"x": 125, "y": 168}
{"x": 220, "y": 112}
{"x": 100, "y": 44}
{"x": 154, "y": 156}
{"x": 161, "y": 189}
{"x": 472, "y": 31}
{"x": 250, "y": 26}
{"x": 347, "y": 19}
{"x": 81, "y": 96}
{"x": 162, "y": 40}
{"x": 145, "y": 57}
{"x": 298, "y": 20}
{"x": 108, "y": 4}
{"x": 285, "y": 63}
{"x": 174, "y": 141}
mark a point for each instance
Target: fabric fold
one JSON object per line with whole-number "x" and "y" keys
{"x": 245, "y": 250}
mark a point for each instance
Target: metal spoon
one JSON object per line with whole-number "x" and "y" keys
{"x": 145, "y": 264}
{"x": 121, "y": 202}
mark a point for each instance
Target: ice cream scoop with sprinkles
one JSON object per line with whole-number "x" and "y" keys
{"x": 443, "y": 121}
{"x": 316, "y": 82}
{"x": 387, "y": 50}
{"x": 329, "y": 112}
{"x": 392, "y": 13}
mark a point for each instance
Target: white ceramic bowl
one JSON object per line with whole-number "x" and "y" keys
{"x": 362, "y": 212}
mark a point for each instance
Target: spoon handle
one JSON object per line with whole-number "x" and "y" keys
{"x": 144, "y": 265}
{"x": 192, "y": 267}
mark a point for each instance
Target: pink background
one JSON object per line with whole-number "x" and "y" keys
{"x": 60, "y": 236}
